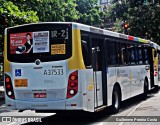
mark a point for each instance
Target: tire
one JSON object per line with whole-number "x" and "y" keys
{"x": 145, "y": 90}
{"x": 156, "y": 89}
{"x": 116, "y": 100}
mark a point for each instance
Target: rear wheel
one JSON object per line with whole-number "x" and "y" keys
{"x": 116, "y": 99}
{"x": 145, "y": 89}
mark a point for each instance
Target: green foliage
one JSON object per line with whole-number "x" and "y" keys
{"x": 16, "y": 12}
{"x": 14, "y": 15}
{"x": 11, "y": 15}
{"x": 143, "y": 18}
{"x": 51, "y": 10}
{"x": 90, "y": 12}
{"x": 146, "y": 22}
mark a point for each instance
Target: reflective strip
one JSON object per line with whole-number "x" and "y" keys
{"x": 135, "y": 39}
{"x": 142, "y": 40}
{"x": 130, "y": 38}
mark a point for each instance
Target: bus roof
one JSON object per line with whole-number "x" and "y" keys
{"x": 94, "y": 30}
{"x": 107, "y": 32}
{"x": 154, "y": 45}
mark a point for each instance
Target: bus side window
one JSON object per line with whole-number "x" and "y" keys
{"x": 86, "y": 51}
{"x": 131, "y": 54}
{"x": 145, "y": 56}
{"x": 124, "y": 49}
{"x": 107, "y": 53}
{"x": 136, "y": 54}
{"x": 124, "y": 53}
{"x": 140, "y": 59}
{"x": 112, "y": 53}
{"x": 128, "y": 54}
{"x": 119, "y": 54}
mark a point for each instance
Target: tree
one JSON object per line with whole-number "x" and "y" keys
{"x": 90, "y": 12}
{"x": 11, "y": 15}
{"x": 145, "y": 22}
{"x": 51, "y": 10}
{"x": 143, "y": 18}
{"x": 16, "y": 12}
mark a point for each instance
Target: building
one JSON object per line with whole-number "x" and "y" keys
{"x": 105, "y": 4}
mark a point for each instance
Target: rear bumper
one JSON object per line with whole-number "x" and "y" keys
{"x": 74, "y": 103}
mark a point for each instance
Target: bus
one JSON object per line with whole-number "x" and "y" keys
{"x": 156, "y": 63}
{"x": 67, "y": 66}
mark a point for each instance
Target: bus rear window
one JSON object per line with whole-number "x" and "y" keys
{"x": 47, "y": 42}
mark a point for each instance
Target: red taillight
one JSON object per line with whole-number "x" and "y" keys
{"x": 9, "y": 88}
{"x": 72, "y": 84}
{"x": 155, "y": 73}
{"x": 72, "y": 88}
{"x": 7, "y": 79}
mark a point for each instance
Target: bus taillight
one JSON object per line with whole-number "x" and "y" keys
{"x": 155, "y": 73}
{"x": 9, "y": 88}
{"x": 72, "y": 88}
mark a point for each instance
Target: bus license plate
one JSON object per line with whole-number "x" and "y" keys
{"x": 40, "y": 95}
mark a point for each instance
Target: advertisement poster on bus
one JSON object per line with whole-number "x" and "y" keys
{"x": 20, "y": 43}
{"x": 41, "y": 42}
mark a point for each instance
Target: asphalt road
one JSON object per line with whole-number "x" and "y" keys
{"x": 135, "y": 107}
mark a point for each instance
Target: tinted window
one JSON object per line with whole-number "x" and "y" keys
{"x": 47, "y": 42}
{"x": 112, "y": 53}
{"x": 121, "y": 53}
{"x": 131, "y": 54}
{"x": 124, "y": 53}
{"x": 136, "y": 55}
{"x": 97, "y": 53}
{"x": 145, "y": 55}
{"x": 140, "y": 54}
{"x": 86, "y": 50}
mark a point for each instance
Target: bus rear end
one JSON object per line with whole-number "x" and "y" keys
{"x": 37, "y": 68}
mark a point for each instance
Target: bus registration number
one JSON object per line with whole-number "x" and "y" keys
{"x": 40, "y": 95}
{"x": 53, "y": 72}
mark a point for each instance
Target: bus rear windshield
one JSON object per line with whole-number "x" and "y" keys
{"x": 46, "y": 42}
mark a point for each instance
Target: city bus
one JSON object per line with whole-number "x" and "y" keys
{"x": 67, "y": 66}
{"x": 156, "y": 63}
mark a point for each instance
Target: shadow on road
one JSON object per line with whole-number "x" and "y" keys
{"x": 85, "y": 118}
{"x": 2, "y": 101}
{"x": 137, "y": 99}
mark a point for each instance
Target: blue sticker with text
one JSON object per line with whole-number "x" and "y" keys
{"x": 18, "y": 72}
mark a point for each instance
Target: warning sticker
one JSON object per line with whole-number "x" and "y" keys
{"x": 58, "y": 49}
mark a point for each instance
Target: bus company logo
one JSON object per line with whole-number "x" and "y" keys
{"x": 6, "y": 119}
{"x": 18, "y": 72}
